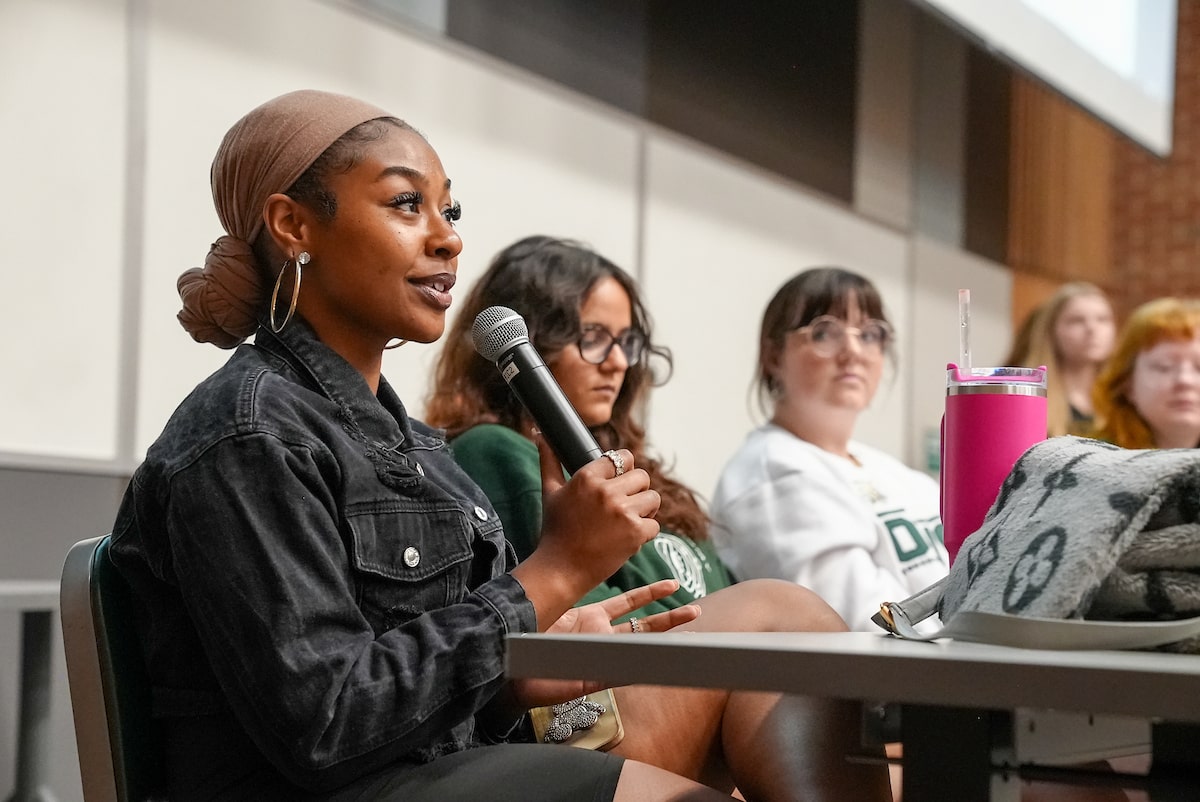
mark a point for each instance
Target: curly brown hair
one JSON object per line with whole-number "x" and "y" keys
{"x": 546, "y": 280}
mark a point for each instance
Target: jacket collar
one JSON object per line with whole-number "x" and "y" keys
{"x": 381, "y": 418}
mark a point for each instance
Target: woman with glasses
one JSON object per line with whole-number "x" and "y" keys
{"x": 801, "y": 499}
{"x": 1149, "y": 395}
{"x": 586, "y": 319}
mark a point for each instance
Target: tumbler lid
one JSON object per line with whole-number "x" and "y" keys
{"x": 1031, "y": 380}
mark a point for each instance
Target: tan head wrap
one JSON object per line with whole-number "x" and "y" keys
{"x": 263, "y": 153}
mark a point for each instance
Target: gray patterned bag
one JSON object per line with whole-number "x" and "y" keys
{"x": 1081, "y": 530}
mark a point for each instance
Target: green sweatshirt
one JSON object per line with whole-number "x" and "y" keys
{"x": 506, "y": 466}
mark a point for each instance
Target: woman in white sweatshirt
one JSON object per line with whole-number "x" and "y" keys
{"x": 801, "y": 500}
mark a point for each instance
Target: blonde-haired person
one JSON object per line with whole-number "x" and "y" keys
{"x": 1071, "y": 334}
{"x": 1149, "y": 394}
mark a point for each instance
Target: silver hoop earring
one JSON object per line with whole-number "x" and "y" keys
{"x": 299, "y": 262}
{"x": 396, "y": 344}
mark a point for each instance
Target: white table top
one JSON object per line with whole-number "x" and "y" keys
{"x": 28, "y": 594}
{"x": 860, "y": 665}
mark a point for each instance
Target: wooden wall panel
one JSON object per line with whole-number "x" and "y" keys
{"x": 1028, "y": 291}
{"x": 1060, "y": 218}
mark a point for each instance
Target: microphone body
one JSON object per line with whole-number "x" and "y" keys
{"x": 500, "y": 336}
{"x": 533, "y": 383}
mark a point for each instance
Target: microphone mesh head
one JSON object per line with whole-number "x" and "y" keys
{"x": 496, "y": 328}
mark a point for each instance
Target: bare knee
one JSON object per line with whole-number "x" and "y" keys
{"x": 640, "y": 782}
{"x": 766, "y": 605}
{"x": 677, "y": 729}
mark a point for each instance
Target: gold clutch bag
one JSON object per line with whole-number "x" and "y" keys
{"x": 589, "y": 722}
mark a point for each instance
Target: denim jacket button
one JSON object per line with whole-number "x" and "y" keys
{"x": 480, "y": 513}
{"x": 412, "y": 556}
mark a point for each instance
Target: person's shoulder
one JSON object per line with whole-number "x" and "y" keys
{"x": 868, "y": 454}
{"x": 489, "y": 435}
{"x": 247, "y": 395}
{"x": 782, "y": 452}
{"x": 215, "y": 400}
{"x": 878, "y": 461}
{"x": 769, "y": 453}
{"x": 492, "y": 443}
{"x": 486, "y": 439}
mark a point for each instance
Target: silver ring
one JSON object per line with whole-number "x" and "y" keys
{"x": 617, "y": 460}
{"x": 635, "y": 625}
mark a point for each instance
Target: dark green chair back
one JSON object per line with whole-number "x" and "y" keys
{"x": 120, "y": 750}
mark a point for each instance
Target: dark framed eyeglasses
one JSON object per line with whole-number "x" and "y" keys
{"x": 829, "y": 335}
{"x": 596, "y": 343}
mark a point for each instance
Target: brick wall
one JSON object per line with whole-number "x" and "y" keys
{"x": 1156, "y": 202}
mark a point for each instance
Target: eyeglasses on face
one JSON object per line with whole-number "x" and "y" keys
{"x": 596, "y": 343}
{"x": 829, "y": 336}
{"x": 1169, "y": 370}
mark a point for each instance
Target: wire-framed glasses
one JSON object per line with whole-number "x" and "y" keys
{"x": 596, "y": 343}
{"x": 828, "y": 336}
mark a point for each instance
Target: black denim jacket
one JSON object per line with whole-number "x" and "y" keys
{"x": 316, "y": 573}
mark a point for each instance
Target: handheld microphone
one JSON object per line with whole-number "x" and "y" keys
{"x": 501, "y": 336}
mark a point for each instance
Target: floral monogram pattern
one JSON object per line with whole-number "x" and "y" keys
{"x": 1034, "y": 570}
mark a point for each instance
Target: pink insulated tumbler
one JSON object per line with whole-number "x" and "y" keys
{"x": 992, "y": 416}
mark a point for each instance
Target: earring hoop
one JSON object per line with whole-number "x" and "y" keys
{"x": 299, "y": 262}
{"x": 396, "y": 344}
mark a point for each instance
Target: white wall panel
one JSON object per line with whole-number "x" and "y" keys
{"x": 62, "y": 131}
{"x": 720, "y": 240}
{"x": 526, "y": 157}
{"x": 523, "y": 159}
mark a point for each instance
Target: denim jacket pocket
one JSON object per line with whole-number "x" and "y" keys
{"x": 407, "y": 559}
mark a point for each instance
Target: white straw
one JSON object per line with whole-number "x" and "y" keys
{"x": 964, "y": 330}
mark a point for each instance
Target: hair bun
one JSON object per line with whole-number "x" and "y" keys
{"x": 221, "y": 300}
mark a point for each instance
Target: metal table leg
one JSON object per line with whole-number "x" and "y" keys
{"x": 1175, "y": 766}
{"x": 951, "y": 753}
